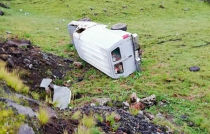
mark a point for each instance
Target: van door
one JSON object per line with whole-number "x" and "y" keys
{"x": 128, "y": 57}
{"x": 123, "y": 59}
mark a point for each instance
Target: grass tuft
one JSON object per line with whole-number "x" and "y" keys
{"x": 12, "y": 79}
{"x": 43, "y": 116}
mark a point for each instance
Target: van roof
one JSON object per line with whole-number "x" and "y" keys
{"x": 102, "y": 37}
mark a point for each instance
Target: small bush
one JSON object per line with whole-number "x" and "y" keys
{"x": 43, "y": 116}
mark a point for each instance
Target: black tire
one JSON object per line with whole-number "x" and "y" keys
{"x": 119, "y": 26}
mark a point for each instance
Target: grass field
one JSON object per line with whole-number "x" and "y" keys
{"x": 173, "y": 38}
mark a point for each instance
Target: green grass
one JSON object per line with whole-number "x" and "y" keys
{"x": 180, "y": 26}
{"x": 12, "y": 79}
{"x": 9, "y": 121}
{"x": 43, "y": 116}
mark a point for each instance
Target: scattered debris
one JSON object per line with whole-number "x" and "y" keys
{"x": 45, "y": 83}
{"x": 126, "y": 122}
{"x": 62, "y": 96}
{"x": 194, "y": 68}
{"x": 25, "y": 129}
{"x": 37, "y": 64}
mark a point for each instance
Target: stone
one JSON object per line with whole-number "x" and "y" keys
{"x": 21, "y": 109}
{"x": 10, "y": 62}
{"x": 45, "y": 83}
{"x": 149, "y": 101}
{"x": 194, "y": 68}
{"x": 159, "y": 115}
{"x": 133, "y": 97}
{"x": 25, "y": 129}
{"x": 77, "y": 65}
{"x": 8, "y": 32}
{"x": 102, "y": 101}
{"x": 61, "y": 96}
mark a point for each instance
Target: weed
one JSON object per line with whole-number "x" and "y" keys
{"x": 43, "y": 116}
{"x": 76, "y": 115}
{"x": 12, "y": 79}
{"x": 9, "y": 121}
{"x": 35, "y": 95}
{"x": 88, "y": 121}
{"x": 133, "y": 111}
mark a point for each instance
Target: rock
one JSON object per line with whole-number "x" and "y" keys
{"x": 150, "y": 116}
{"x": 61, "y": 96}
{"x": 133, "y": 97}
{"x": 30, "y": 66}
{"x": 77, "y": 65}
{"x": 105, "y": 10}
{"x": 8, "y": 32}
{"x": 11, "y": 63}
{"x": 194, "y": 68}
{"x": 4, "y": 56}
{"x": 190, "y": 124}
{"x": 102, "y": 101}
{"x": 68, "y": 60}
{"x": 25, "y": 129}
{"x": 126, "y": 104}
{"x": 1, "y": 13}
{"x": 159, "y": 115}
{"x": 21, "y": 109}
{"x": 80, "y": 78}
{"x": 149, "y": 101}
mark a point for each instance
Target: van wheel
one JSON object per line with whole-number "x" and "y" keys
{"x": 119, "y": 26}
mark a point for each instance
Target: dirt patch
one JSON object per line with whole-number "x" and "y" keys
{"x": 58, "y": 126}
{"x": 37, "y": 64}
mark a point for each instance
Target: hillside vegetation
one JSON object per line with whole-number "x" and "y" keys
{"x": 174, "y": 36}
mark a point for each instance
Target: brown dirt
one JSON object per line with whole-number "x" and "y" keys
{"x": 34, "y": 65}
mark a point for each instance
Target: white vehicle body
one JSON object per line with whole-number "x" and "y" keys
{"x": 114, "y": 52}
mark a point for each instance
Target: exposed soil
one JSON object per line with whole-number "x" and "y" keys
{"x": 38, "y": 65}
{"x": 21, "y": 54}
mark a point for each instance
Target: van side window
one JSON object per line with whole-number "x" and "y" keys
{"x": 116, "y": 54}
{"x": 118, "y": 68}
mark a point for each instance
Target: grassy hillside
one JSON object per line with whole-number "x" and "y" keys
{"x": 174, "y": 36}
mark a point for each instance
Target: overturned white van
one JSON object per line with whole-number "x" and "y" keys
{"x": 115, "y": 52}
